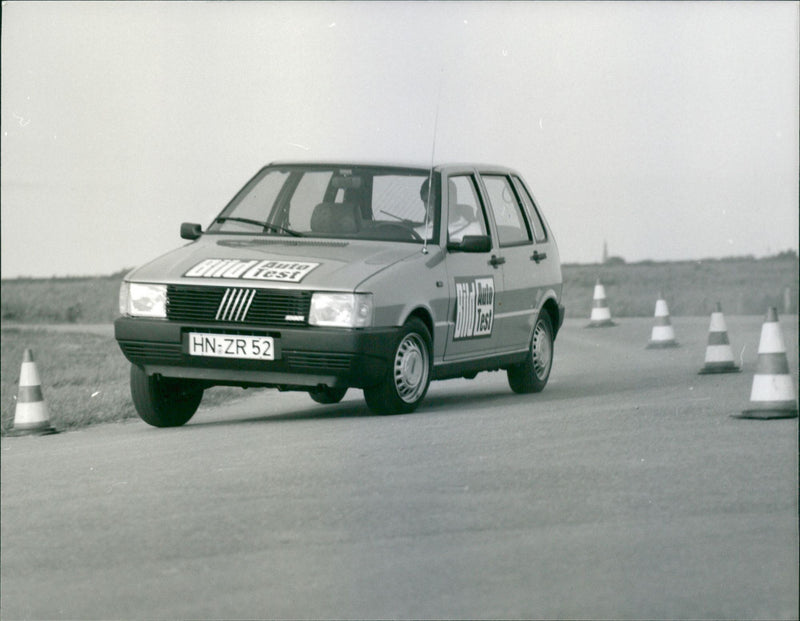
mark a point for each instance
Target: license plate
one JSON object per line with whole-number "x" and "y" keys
{"x": 231, "y": 346}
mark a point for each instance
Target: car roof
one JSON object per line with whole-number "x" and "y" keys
{"x": 443, "y": 167}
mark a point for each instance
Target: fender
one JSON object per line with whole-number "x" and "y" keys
{"x": 549, "y": 303}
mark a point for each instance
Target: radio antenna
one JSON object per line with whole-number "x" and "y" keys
{"x": 428, "y": 206}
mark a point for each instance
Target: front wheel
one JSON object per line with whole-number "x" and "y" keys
{"x": 407, "y": 381}
{"x": 532, "y": 375}
{"x": 164, "y": 402}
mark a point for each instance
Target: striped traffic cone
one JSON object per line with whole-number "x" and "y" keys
{"x": 601, "y": 315}
{"x": 30, "y": 416}
{"x": 719, "y": 355}
{"x": 772, "y": 394}
{"x": 662, "y": 335}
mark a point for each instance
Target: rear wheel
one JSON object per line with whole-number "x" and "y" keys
{"x": 164, "y": 402}
{"x": 407, "y": 381}
{"x": 326, "y": 395}
{"x": 532, "y": 375}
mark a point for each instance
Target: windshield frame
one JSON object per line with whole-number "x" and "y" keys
{"x": 294, "y": 173}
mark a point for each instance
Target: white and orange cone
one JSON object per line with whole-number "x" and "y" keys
{"x": 719, "y": 355}
{"x": 601, "y": 315}
{"x": 662, "y": 335}
{"x": 30, "y": 416}
{"x": 772, "y": 394}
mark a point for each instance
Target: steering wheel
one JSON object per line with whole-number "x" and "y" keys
{"x": 399, "y": 225}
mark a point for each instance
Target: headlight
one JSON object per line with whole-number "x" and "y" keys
{"x": 140, "y": 300}
{"x": 343, "y": 310}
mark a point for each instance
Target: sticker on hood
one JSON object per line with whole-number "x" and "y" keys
{"x": 274, "y": 270}
{"x": 474, "y": 307}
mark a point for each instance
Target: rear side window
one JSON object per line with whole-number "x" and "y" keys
{"x": 539, "y": 232}
{"x": 512, "y": 225}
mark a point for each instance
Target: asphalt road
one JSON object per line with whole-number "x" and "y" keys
{"x": 625, "y": 490}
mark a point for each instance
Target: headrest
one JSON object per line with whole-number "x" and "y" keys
{"x": 336, "y": 218}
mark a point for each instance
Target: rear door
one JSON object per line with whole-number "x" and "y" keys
{"x": 522, "y": 285}
{"x": 544, "y": 245}
{"x": 475, "y": 280}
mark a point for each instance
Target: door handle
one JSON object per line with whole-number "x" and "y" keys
{"x": 538, "y": 256}
{"x": 495, "y": 260}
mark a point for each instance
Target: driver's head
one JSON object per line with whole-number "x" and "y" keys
{"x": 423, "y": 191}
{"x": 431, "y": 196}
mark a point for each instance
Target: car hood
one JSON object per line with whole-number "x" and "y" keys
{"x": 270, "y": 262}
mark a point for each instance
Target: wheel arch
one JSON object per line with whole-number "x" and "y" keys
{"x": 550, "y": 307}
{"x": 424, "y": 315}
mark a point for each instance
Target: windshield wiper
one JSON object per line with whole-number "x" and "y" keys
{"x": 266, "y": 225}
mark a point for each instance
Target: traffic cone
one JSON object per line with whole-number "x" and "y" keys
{"x": 662, "y": 335}
{"x": 30, "y": 416}
{"x": 601, "y": 315}
{"x": 772, "y": 394}
{"x": 719, "y": 356}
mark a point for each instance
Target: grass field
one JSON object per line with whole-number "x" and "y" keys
{"x": 743, "y": 286}
{"x": 85, "y": 376}
{"x": 691, "y": 288}
{"x": 61, "y": 300}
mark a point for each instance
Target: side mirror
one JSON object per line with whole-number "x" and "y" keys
{"x": 472, "y": 243}
{"x": 190, "y": 230}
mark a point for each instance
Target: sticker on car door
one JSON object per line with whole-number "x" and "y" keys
{"x": 474, "y": 307}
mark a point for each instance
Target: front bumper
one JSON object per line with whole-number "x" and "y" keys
{"x": 307, "y": 357}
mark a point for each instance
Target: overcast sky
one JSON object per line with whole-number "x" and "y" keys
{"x": 669, "y": 130}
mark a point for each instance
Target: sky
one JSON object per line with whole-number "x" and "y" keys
{"x": 666, "y": 130}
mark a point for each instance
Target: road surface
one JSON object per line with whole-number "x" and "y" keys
{"x": 625, "y": 490}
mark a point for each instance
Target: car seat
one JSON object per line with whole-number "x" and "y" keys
{"x": 336, "y": 218}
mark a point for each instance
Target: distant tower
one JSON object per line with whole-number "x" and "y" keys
{"x": 605, "y": 252}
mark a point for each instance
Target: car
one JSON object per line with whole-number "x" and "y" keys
{"x": 326, "y": 276}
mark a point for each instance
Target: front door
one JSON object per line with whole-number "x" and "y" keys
{"x": 475, "y": 280}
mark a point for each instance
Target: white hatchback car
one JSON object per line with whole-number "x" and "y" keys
{"x": 321, "y": 277}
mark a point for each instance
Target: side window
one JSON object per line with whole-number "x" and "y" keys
{"x": 308, "y": 194}
{"x": 539, "y": 233}
{"x": 465, "y": 214}
{"x": 512, "y": 226}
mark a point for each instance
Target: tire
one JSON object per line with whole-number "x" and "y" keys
{"x": 407, "y": 380}
{"x": 532, "y": 375}
{"x": 326, "y": 395}
{"x": 164, "y": 402}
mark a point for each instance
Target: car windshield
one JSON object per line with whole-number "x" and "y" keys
{"x": 354, "y": 202}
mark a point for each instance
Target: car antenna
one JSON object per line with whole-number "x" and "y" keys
{"x": 430, "y": 170}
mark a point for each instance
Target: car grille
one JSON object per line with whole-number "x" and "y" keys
{"x": 270, "y": 307}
